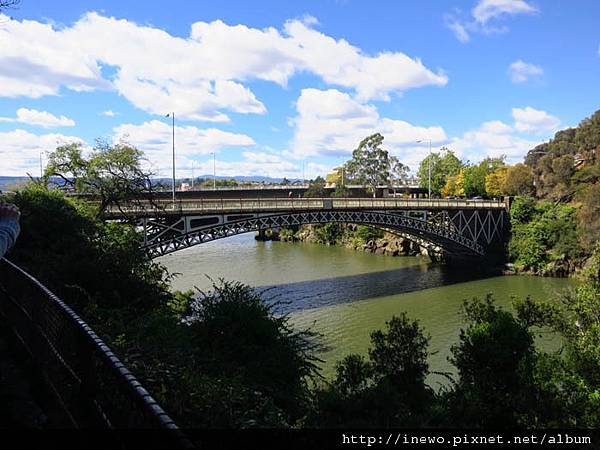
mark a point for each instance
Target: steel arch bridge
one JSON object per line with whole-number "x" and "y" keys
{"x": 458, "y": 227}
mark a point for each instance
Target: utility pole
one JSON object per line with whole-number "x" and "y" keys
{"x": 428, "y": 166}
{"x": 429, "y": 169}
{"x": 172, "y": 115}
{"x": 303, "y": 177}
{"x": 214, "y": 172}
{"x": 41, "y": 166}
{"x": 192, "y": 174}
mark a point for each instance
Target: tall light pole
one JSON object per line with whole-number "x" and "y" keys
{"x": 193, "y": 174}
{"x": 214, "y": 172}
{"x": 172, "y": 115}
{"x": 303, "y": 177}
{"x": 429, "y": 166}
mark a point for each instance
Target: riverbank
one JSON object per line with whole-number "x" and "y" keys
{"x": 525, "y": 255}
{"x": 354, "y": 237}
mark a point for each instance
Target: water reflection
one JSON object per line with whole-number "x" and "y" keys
{"x": 331, "y": 291}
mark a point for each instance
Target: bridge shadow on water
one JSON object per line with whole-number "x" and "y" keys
{"x": 332, "y": 291}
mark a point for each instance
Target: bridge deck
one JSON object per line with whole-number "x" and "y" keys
{"x": 219, "y": 206}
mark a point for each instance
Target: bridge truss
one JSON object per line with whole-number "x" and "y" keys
{"x": 457, "y": 231}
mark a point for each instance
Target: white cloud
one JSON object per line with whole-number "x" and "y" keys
{"x": 108, "y": 113}
{"x": 485, "y": 17}
{"x": 492, "y": 139}
{"x": 20, "y": 150}
{"x": 496, "y": 138}
{"x": 534, "y": 121}
{"x": 331, "y": 123}
{"x": 486, "y": 10}
{"x": 199, "y": 76}
{"x": 260, "y": 164}
{"x": 39, "y": 118}
{"x": 459, "y": 29}
{"x": 520, "y": 71}
{"x": 154, "y": 138}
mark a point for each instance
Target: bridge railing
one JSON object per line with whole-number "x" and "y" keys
{"x": 274, "y": 204}
{"x": 88, "y": 385}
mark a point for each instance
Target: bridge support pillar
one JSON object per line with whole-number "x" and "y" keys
{"x": 261, "y": 235}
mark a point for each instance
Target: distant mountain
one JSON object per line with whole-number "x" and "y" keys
{"x": 6, "y": 183}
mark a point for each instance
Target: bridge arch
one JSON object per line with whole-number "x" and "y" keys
{"x": 163, "y": 236}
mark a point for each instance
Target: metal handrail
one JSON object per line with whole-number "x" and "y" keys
{"x": 273, "y": 204}
{"x": 90, "y": 386}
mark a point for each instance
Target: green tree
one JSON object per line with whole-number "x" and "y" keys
{"x": 370, "y": 163}
{"x": 111, "y": 173}
{"x": 518, "y": 180}
{"x": 589, "y": 215}
{"x": 494, "y": 358}
{"x": 316, "y": 189}
{"x": 475, "y": 176}
{"x": 443, "y": 165}
{"x": 235, "y": 334}
{"x": 572, "y": 377}
{"x": 67, "y": 247}
{"x": 388, "y": 390}
{"x": 398, "y": 172}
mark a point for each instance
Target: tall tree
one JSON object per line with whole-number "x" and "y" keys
{"x": 443, "y": 165}
{"x": 398, "y": 172}
{"x": 370, "y": 164}
{"x": 475, "y": 175}
{"x": 519, "y": 180}
{"x": 111, "y": 173}
{"x": 494, "y": 182}
{"x": 316, "y": 188}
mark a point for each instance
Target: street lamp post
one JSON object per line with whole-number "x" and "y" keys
{"x": 303, "y": 177}
{"x": 428, "y": 167}
{"x": 172, "y": 115}
{"x": 214, "y": 173}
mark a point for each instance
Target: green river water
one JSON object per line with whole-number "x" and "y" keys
{"x": 345, "y": 294}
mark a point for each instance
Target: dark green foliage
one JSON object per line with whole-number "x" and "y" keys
{"x": 400, "y": 356}
{"x": 542, "y": 233}
{"x": 231, "y": 326}
{"x": 366, "y": 233}
{"x": 570, "y": 381}
{"x": 329, "y": 233}
{"x": 90, "y": 263}
{"x": 316, "y": 188}
{"x": 388, "y": 390}
{"x": 474, "y": 176}
{"x": 341, "y": 191}
{"x": 371, "y": 164}
{"x": 522, "y": 210}
{"x": 225, "y": 360}
{"x": 443, "y": 165}
{"x": 494, "y": 359}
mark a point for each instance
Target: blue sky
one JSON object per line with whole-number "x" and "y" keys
{"x": 271, "y": 86}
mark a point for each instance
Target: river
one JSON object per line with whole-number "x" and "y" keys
{"x": 345, "y": 294}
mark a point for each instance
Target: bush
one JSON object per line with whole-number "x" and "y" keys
{"x": 388, "y": 390}
{"x": 494, "y": 358}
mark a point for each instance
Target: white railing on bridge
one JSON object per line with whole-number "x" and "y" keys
{"x": 287, "y": 204}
